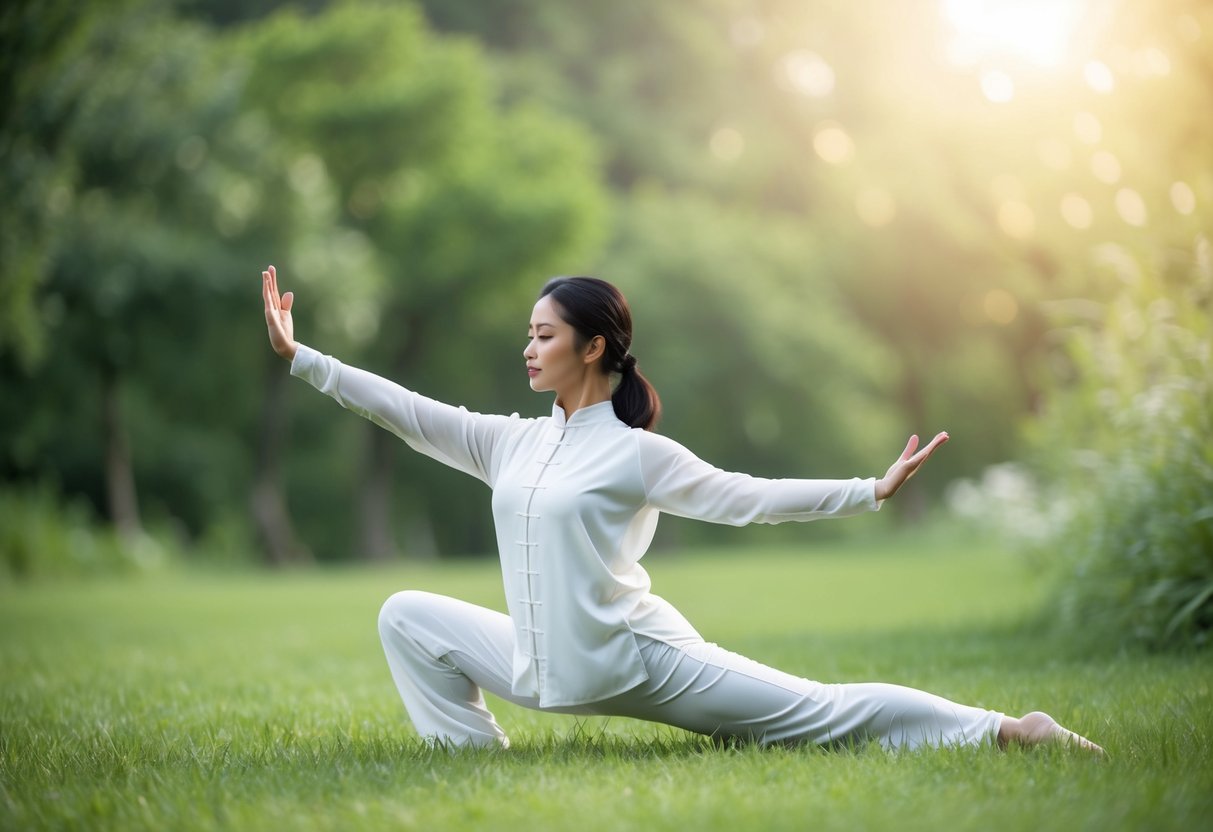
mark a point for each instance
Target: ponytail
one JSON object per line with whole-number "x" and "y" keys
{"x": 594, "y": 307}
{"x": 635, "y": 399}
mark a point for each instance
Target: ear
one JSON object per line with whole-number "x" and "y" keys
{"x": 594, "y": 350}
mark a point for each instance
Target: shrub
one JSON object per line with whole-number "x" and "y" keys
{"x": 1130, "y": 439}
{"x": 42, "y": 537}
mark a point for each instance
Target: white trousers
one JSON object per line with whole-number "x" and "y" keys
{"x": 443, "y": 653}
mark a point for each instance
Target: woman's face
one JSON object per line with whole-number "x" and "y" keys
{"x": 553, "y": 361}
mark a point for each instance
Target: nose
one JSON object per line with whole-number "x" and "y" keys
{"x": 529, "y": 352}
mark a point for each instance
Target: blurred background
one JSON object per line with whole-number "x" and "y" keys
{"x": 837, "y": 222}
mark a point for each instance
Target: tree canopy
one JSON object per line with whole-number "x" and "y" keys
{"x": 838, "y": 223}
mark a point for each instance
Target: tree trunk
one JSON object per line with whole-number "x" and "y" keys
{"x": 376, "y": 536}
{"x": 121, "y": 495}
{"x": 377, "y": 540}
{"x": 271, "y": 516}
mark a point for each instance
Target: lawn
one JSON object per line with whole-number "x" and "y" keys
{"x": 262, "y": 701}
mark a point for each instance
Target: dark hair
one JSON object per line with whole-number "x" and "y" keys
{"x": 594, "y": 307}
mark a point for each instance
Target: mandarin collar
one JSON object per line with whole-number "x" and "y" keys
{"x": 592, "y": 415}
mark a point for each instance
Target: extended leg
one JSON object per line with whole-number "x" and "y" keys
{"x": 706, "y": 689}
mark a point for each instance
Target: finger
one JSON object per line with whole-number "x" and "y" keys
{"x": 288, "y": 300}
{"x": 265, "y": 293}
{"x": 910, "y": 447}
{"x": 923, "y": 455}
{"x": 272, "y": 300}
{"x": 274, "y": 287}
{"x": 935, "y": 442}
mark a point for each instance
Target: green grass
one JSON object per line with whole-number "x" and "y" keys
{"x": 263, "y": 702}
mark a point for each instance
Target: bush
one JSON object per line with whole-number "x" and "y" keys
{"x": 41, "y": 537}
{"x": 1130, "y": 440}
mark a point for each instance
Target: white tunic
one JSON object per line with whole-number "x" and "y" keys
{"x": 575, "y": 504}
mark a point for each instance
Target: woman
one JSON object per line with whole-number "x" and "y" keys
{"x": 575, "y": 500}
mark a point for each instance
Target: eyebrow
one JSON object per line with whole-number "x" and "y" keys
{"x": 541, "y": 323}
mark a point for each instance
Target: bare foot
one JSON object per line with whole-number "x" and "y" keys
{"x": 1037, "y": 727}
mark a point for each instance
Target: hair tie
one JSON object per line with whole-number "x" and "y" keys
{"x": 628, "y": 363}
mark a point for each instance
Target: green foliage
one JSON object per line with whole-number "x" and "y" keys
{"x": 145, "y": 214}
{"x": 44, "y": 538}
{"x": 1128, "y": 439}
{"x": 815, "y": 209}
{"x": 33, "y": 37}
{"x": 159, "y": 164}
{"x": 767, "y": 372}
{"x": 460, "y": 205}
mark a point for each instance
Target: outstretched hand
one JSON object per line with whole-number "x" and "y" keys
{"x": 906, "y": 465}
{"x": 278, "y": 315}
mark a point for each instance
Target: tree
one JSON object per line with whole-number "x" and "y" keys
{"x": 462, "y": 202}
{"x": 146, "y": 177}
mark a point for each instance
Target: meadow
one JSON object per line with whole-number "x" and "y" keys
{"x": 198, "y": 701}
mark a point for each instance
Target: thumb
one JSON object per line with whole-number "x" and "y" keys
{"x": 288, "y": 300}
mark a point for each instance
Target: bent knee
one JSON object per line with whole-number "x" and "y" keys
{"x": 401, "y": 610}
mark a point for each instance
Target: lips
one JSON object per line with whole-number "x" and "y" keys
{"x": 532, "y": 371}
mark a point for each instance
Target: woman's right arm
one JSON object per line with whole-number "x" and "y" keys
{"x": 452, "y": 435}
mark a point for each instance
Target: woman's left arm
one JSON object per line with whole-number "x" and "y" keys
{"x": 678, "y": 482}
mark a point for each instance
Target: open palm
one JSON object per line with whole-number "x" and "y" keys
{"x": 907, "y": 464}
{"x": 278, "y": 315}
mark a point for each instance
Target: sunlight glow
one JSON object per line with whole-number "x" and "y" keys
{"x": 833, "y": 144}
{"x": 1076, "y": 211}
{"x": 1188, "y": 27}
{"x": 1037, "y": 31}
{"x": 809, "y": 73}
{"x": 1087, "y": 128}
{"x": 1151, "y": 62}
{"x": 1183, "y": 198}
{"x": 747, "y": 32}
{"x": 997, "y": 86}
{"x": 1000, "y": 306}
{"x": 727, "y": 144}
{"x": 1054, "y": 153}
{"x": 875, "y": 207}
{"x": 1016, "y": 219}
{"x": 1131, "y": 207}
{"x": 1106, "y": 167}
{"x": 1099, "y": 77}
{"x": 1006, "y": 187}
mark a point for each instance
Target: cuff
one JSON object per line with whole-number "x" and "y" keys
{"x": 876, "y": 504}
{"x": 304, "y": 358}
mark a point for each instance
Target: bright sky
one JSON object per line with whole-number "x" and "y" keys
{"x": 1037, "y": 31}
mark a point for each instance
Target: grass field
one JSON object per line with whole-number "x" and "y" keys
{"x": 263, "y": 702}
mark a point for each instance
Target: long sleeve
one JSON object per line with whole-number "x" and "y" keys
{"x": 678, "y": 482}
{"x": 466, "y": 441}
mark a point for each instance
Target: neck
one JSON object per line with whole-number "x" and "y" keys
{"x": 593, "y": 390}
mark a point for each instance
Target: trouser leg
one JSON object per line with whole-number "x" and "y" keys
{"x": 443, "y": 653}
{"x": 420, "y": 632}
{"x": 708, "y": 690}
